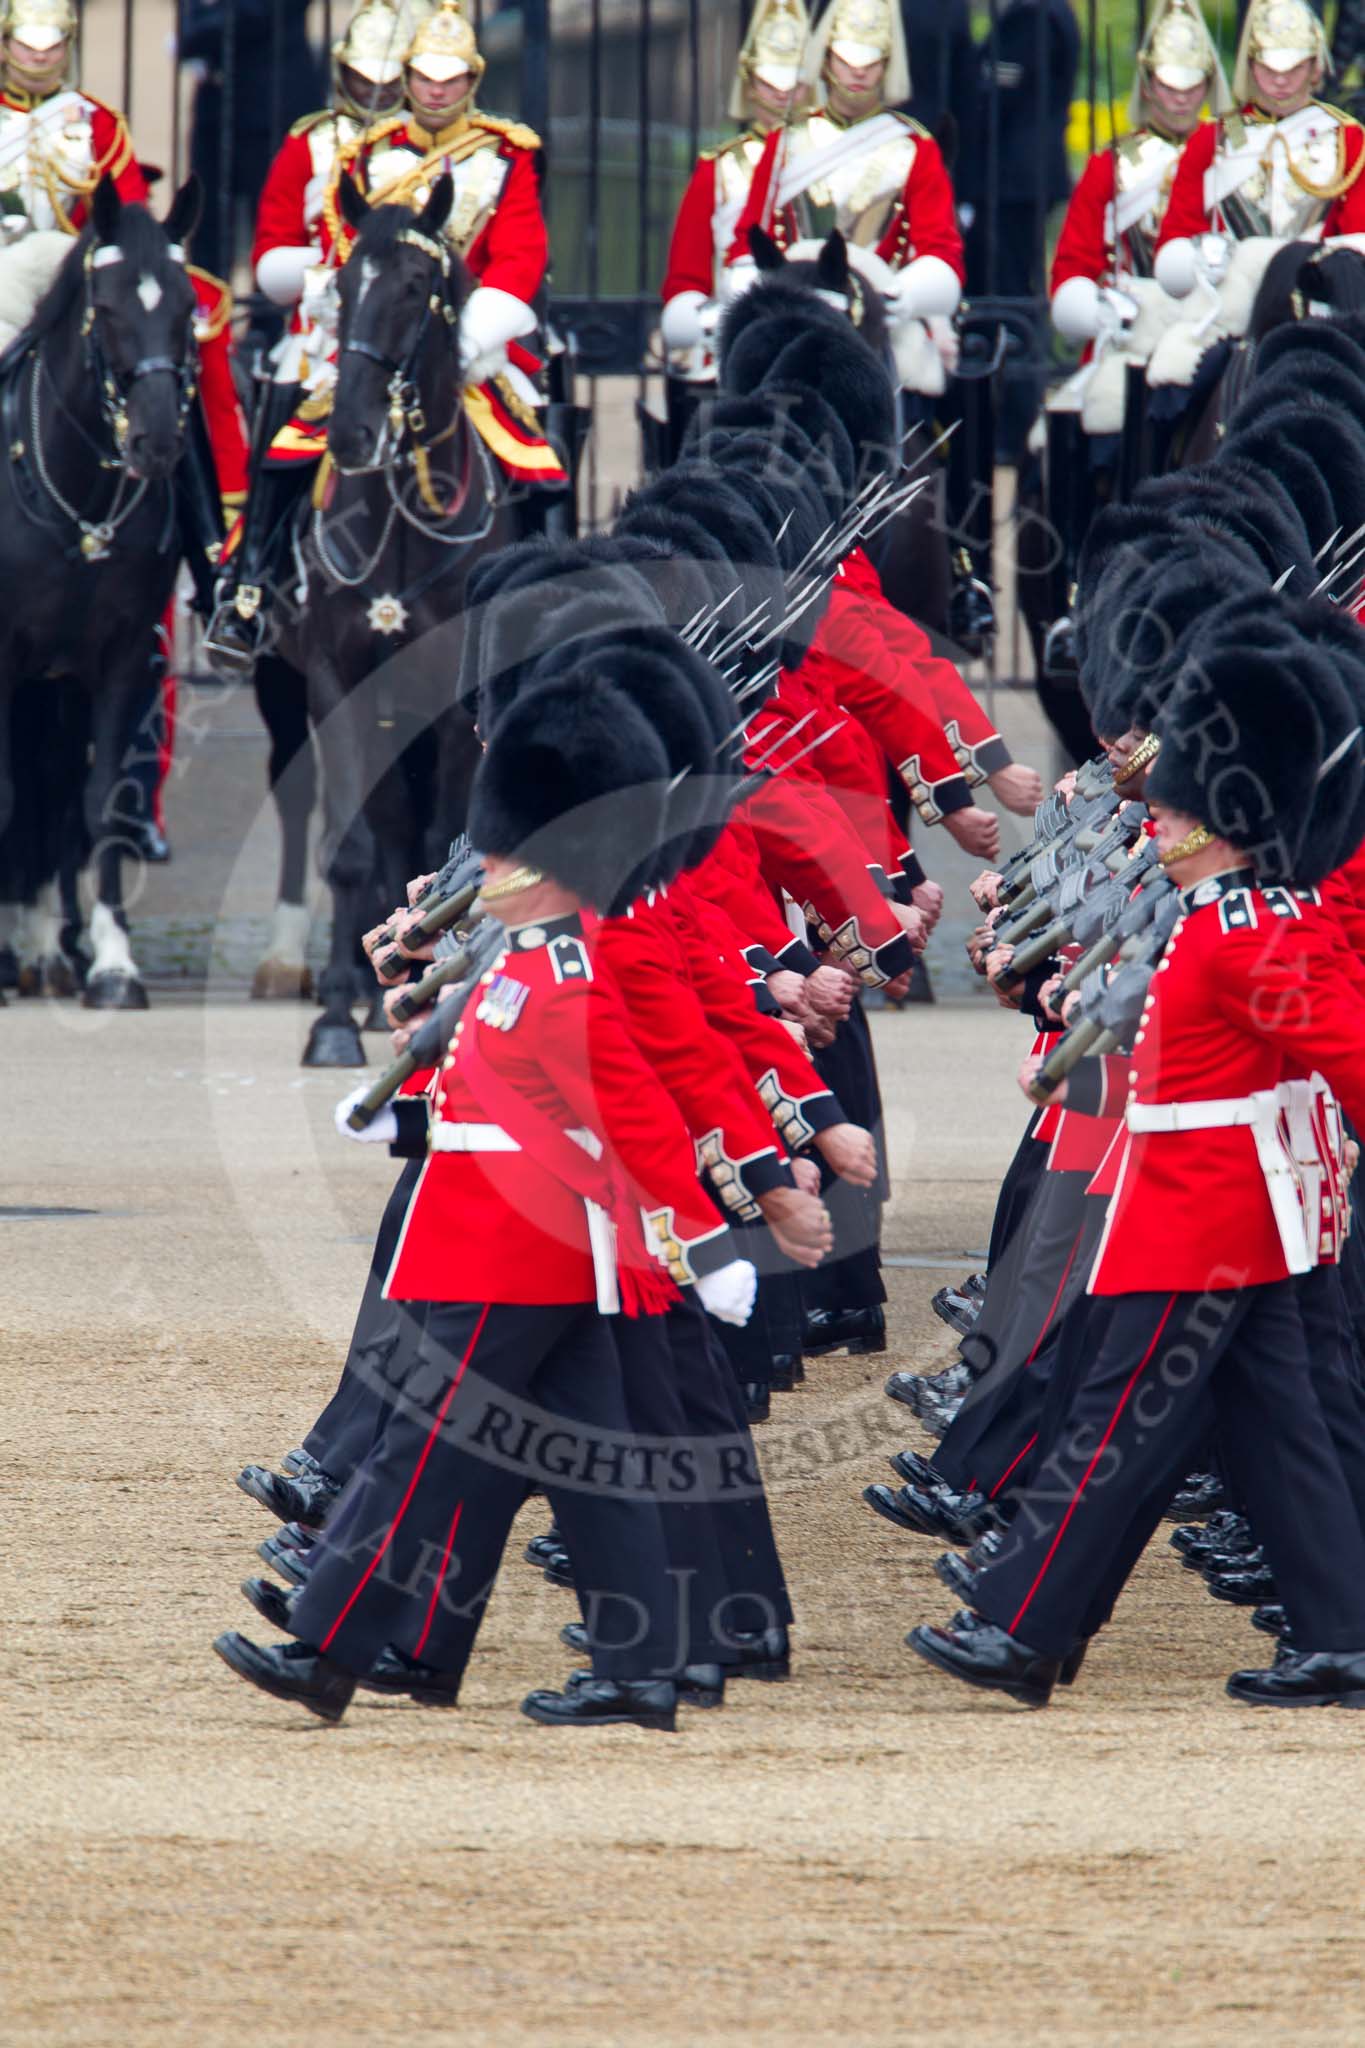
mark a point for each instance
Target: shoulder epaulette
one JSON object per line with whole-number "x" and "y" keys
{"x": 569, "y": 959}
{"x": 1235, "y": 128}
{"x": 730, "y": 147}
{"x": 908, "y": 121}
{"x": 1339, "y": 113}
{"x": 1283, "y": 902}
{"x": 515, "y": 132}
{"x": 306, "y": 123}
{"x": 212, "y": 319}
{"x": 103, "y": 105}
{"x": 1237, "y": 911}
{"x": 1129, "y": 146}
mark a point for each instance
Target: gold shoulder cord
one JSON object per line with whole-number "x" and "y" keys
{"x": 1334, "y": 187}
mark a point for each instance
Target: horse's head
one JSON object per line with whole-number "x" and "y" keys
{"x": 400, "y": 292}
{"x": 138, "y": 322}
{"x": 831, "y": 273}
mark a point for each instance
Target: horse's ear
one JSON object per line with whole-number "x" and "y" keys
{"x": 105, "y": 208}
{"x": 182, "y": 215}
{"x": 831, "y": 268}
{"x": 436, "y": 212}
{"x": 354, "y": 204}
{"x": 764, "y": 249}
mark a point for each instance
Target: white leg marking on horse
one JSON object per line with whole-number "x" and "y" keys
{"x": 113, "y": 955}
{"x": 289, "y": 934}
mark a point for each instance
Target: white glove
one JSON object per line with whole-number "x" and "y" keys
{"x": 728, "y": 1293}
{"x": 489, "y": 320}
{"x": 1215, "y": 254}
{"x": 281, "y": 273}
{"x": 925, "y": 287}
{"x": 382, "y": 1128}
{"x": 736, "y": 279}
{"x": 319, "y": 304}
{"x": 1076, "y": 309}
{"x": 689, "y": 320}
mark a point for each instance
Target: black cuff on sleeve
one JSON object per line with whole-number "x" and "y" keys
{"x": 1085, "y": 1087}
{"x": 414, "y": 1118}
{"x": 768, "y": 1171}
{"x": 952, "y": 794}
{"x": 822, "y": 1112}
{"x": 761, "y": 960}
{"x": 908, "y": 880}
{"x": 897, "y": 956}
{"x": 798, "y": 956}
{"x": 765, "y": 1002}
{"x": 991, "y": 756}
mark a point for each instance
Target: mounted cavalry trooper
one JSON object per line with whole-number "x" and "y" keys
{"x": 767, "y": 86}
{"x": 495, "y": 226}
{"x": 1103, "y": 291}
{"x": 873, "y": 173}
{"x": 56, "y": 144}
{"x": 1280, "y": 167}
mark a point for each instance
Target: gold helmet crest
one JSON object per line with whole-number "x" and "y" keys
{"x": 1178, "y": 51}
{"x": 863, "y": 32}
{"x": 773, "y": 49}
{"x": 1278, "y": 34}
{"x": 445, "y": 45}
{"x": 41, "y": 24}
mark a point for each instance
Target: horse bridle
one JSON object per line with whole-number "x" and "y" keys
{"x": 113, "y": 393}
{"x": 405, "y": 404}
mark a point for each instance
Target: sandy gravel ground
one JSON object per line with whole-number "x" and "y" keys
{"x": 866, "y": 1853}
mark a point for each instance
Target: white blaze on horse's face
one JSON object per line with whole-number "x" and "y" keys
{"x": 369, "y": 273}
{"x": 150, "y": 293}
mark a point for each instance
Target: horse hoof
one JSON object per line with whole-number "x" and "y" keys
{"x": 331, "y": 1044}
{"x": 280, "y": 981}
{"x": 61, "y": 981}
{"x": 114, "y": 992}
{"x": 29, "y": 981}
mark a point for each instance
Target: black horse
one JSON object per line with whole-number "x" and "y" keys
{"x": 407, "y": 503}
{"x": 95, "y": 394}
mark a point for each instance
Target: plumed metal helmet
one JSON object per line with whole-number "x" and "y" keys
{"x": 41, "y": 24}
{"x": 445, "y": 45}
{"x": 574, "y": 781}
{"x": 863, "y": 32}
{"x": 1280, "y": 34}
{"x": 772, "y": 52}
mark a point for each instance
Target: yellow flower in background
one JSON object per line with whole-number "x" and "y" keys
{"x": 1110, "y": 120}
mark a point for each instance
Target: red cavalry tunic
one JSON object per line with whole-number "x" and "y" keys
{"x": 1187, "y": 215}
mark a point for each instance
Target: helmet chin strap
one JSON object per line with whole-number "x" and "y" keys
{"x": 1193, "y": 842}
{"x": 511, "y": 885}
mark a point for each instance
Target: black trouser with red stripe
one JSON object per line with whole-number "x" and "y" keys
{"x": 348, "y": 1425}
{"x": 1045, "y": 1268}
{"x": 501, "y": 1397}
{"x": 1166, "y": 1362}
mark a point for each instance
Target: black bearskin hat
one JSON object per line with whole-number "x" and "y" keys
{"x": 575, "y": 781}
{"x": 1241, "y": 742}
{"x": 1305, "y": 343}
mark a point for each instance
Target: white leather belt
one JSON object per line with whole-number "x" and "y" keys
{"x": 1192, "y": 1116}
{"x": 452, "y": 1137}
{"x": 472, "y": 1138}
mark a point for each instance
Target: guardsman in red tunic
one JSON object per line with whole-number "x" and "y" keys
{"x": 1281, "y": 166}
{"x": 1103, "y": 290}
{"x": 495, "y": 226}
{"x": 559, "y": 1190}
{"x": 875, "y": 174}
{"x": 1231, "y": 1185}
{"x": 767, "y": 86}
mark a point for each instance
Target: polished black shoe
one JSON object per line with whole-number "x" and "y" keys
{"x": 1305, "y": 1678}
{"x": 949, "y": 1516}
{"x": 855, "y": 1330}
{"x": 606, "y": 1702}
{"x": 300, "y": 1464}
{"x": 150, "y": 841}
{"x": 393, "y": 1671}
{"x": 988, "y": 1658}
{"x": 558, "y": 1569}
{"x": 541, "y": 1548}
{"x": 1197, "y": 1542}
{"x": 575, "y": 1634}
{"x": 1271, "y": 1620}
{"x": 975, "y": 1283}
{"x": 269, "y": 1600}
{"x": 782, "y": 1373}
{"x": 763, "y": 1653}
{"x": 963, "y": 1624}
{"x": 757, "y": 1402}
{"x": 287, "y": 1559}
{"x": 959, "y": 1311}
{"x": 290, "y": 1671}
{"x": 305, "y": 1501}
{"x": 901, "y": 1387}
{"x": 986, "y": 1548}
{"x": 1200, "y": 1496}
{"x": 918, "y": 1471}
{"x": 957, "y": 1575}
{"x": 1218, "y": 1562}
{"x": 697, "y": 1685}
{"x": 1242, "y": 1589}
